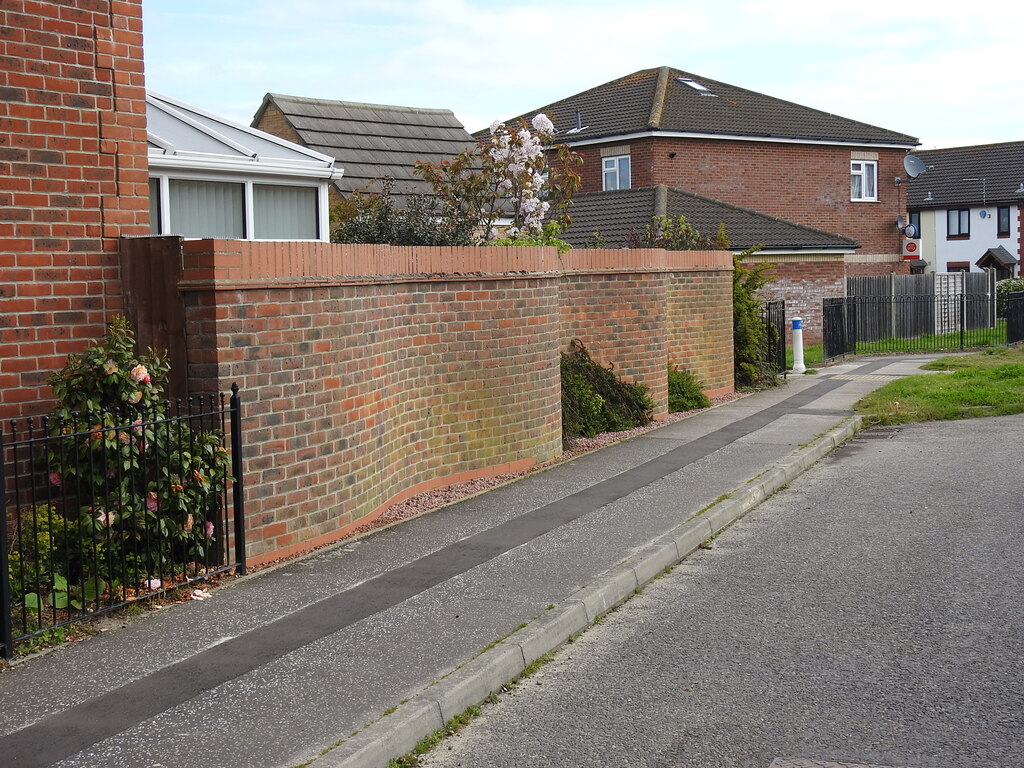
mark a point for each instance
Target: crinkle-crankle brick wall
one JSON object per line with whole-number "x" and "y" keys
{"x": 370, "y": 373}
{"x": 73, "y": 178}
{"x": 620, "y": 319}
{"x": 699, "y": 320}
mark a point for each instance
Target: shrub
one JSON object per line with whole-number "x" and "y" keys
{"x": 751, "y": 368}
{"x": 685, "y": 391}
{"x": 373, "y": 217}
{"x": 1004, "y": 287}
{"x": 595, "y": 399}
{"x": 141, "y": 494}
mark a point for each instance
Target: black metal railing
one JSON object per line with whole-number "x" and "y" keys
{"x": 1014, "y": 317}
{"x": 773, "y": 315}
{"x": 106, "y": 508}
{"x": 839, "y": 323}
{"x": 882, "y": 324}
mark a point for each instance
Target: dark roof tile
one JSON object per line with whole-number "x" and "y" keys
{"x": 954, "y": 176}
{"x": 373, "y": 141}
{"x": 618, "y": 215}
{"x": 656, "y": 100}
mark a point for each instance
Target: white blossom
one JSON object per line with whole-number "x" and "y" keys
{"x": 542, "y": 124}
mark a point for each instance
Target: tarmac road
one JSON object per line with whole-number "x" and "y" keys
{"x": 871, "y": 613}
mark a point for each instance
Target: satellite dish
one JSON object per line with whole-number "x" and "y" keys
{"x": 899, "y": 221}
{"x": 914, "y": 166}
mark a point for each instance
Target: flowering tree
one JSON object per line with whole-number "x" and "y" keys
{"x": 507, "y": 176}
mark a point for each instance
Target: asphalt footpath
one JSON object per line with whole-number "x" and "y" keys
{"x": 348, "y": 657}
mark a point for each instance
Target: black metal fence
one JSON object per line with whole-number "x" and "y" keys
{"x": 773, "y": 314}
{"x": 924, "y": 323}
{"x": 103, "y": 509}
{"x": 1014, "y": 317}
{"x": 839, "y": 327}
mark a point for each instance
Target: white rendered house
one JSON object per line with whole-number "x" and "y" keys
{"x": 968, "y": 206}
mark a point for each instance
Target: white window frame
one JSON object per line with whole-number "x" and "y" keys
{"x": 164, "y": 178}
{"x": 614, "y": 166}
{"x": 866, "y": 170}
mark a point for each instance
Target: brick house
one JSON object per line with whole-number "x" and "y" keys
{"x": 689, "y": 132}
{"x": 370, "y": 142}
{"x": 968, "y": 206}
{"x": 741, "y": 148}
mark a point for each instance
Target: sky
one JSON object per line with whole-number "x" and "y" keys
{"x": 945, "y": 72}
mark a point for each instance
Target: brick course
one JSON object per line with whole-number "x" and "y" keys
{"x": 73, "y": 178}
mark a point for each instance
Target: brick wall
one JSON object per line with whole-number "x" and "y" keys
{"x": 805, "y": 183}
{"x": 699, "y": 320}
{"x": 371, "y": 373}
{"x": 878, "y": 267}
{"x": 73, "y": 178}
{"x": 803, "y": 281}
{"x": 620, "y": 318}
{"x": 273, "y": 121}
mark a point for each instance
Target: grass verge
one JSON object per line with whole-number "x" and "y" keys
{"x": 988, "y": 383}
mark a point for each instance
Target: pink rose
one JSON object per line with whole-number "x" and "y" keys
{"x": 208, "y": 528}
{"x": 55, "y": 479}
{"x": 139, "y": 373}
{"x": 151, "y": 502}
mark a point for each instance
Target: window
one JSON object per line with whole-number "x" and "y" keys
{"x": 237, "y": 210}
{"x": 1003, "y": 221}
{"x": 616, "y": 172}
{"x": 958, "y": 266}
{"x": 915, "y": 221}
{"x": 206, "y": 209}
{"x": 284, "y": 213}
{"x": 958, "y": 223}
{"x": 863, "y": 180}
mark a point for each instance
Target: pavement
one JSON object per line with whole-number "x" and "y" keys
{"x": 348, "y": 657}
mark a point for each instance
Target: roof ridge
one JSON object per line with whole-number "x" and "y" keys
{"x": 658, "y": 102}
{"x": 992, "y": 145}
{"x": 340, "y": 103}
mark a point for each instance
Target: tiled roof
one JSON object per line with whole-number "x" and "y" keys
{"x": 954, "y": 176}
{"x": 620, "y": 213}
{"x": 658, "y": 100}
{"x": 999, "y": 255}
{"x": 373, "y": 141}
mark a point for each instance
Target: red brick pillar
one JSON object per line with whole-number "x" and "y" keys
{"x": 73, "y": 178}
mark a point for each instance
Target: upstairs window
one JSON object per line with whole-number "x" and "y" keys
{"x": 863, "y": 180}
{"x": 616, "y": 172}
{"x": 958, "y": 223}
{"x": 1003, "y": 221}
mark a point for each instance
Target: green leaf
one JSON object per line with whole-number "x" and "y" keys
{"x": 60, "y": 584}
{"x": 33, "y": 602}
{"x": 60, "y": 600}
{"x": 93, "y": 589}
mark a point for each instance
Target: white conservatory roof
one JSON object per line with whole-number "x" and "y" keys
{"x": 183, "y": 137}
